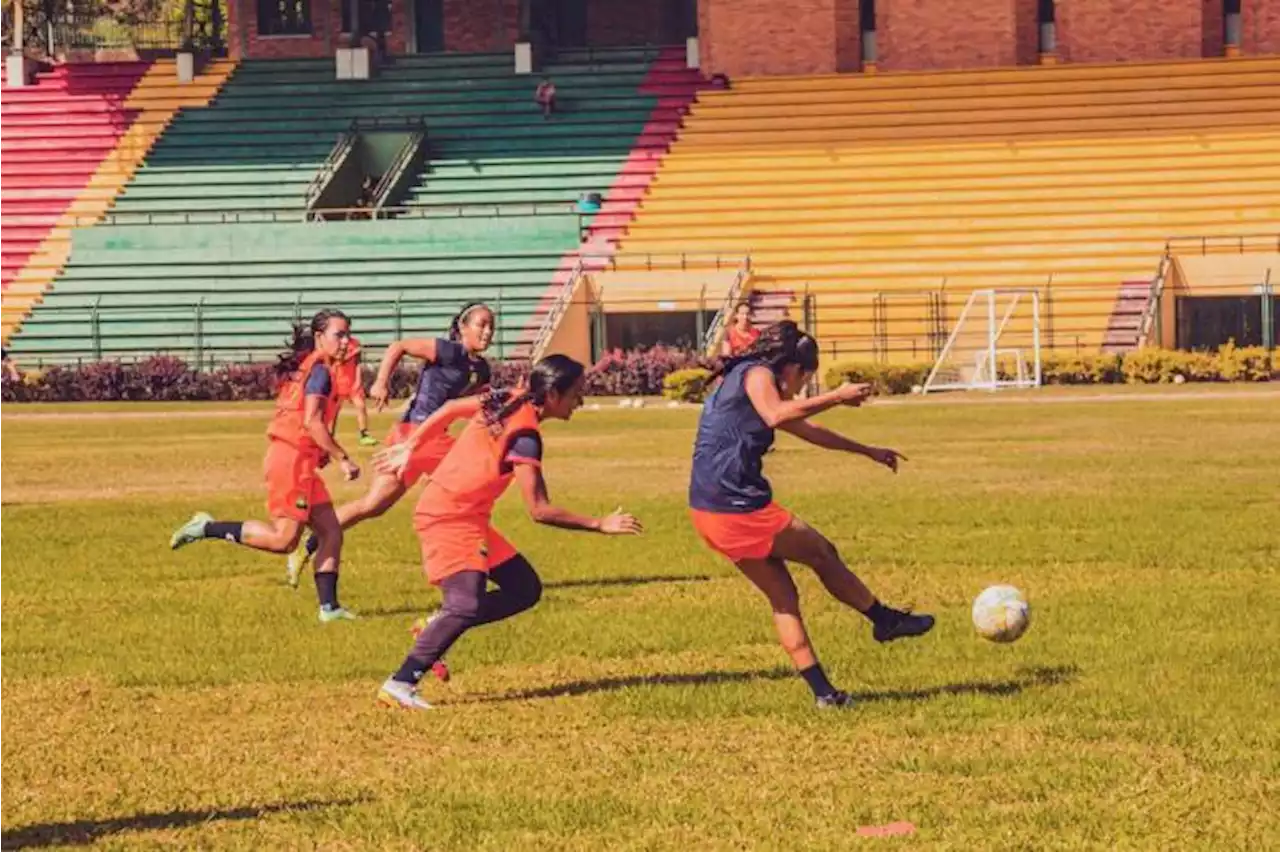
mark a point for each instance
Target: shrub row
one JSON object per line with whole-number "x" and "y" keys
{"x": 674, "y": 373}
{"x": 168, "y": 379}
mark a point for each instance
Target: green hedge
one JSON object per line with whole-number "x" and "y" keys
{"x": 1145, "y": 366}
{"x": 689, "y": 385}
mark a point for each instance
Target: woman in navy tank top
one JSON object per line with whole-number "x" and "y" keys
{"x": 452, "y": 368}
{"x": 732, "y": 503}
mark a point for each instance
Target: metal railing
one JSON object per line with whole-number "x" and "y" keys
{"x": 50, "y": 28}
{"x": 298, "y": 214}
{"x": 342, "y": 149}
{"x": 731, "y": 298}
{"x": 1152, "y": 315}
{"x": 407, "y": 158}
{"x": 551, "y": 319}
{"x": 1237, "y": 244}
{"x": 201, "y": 331}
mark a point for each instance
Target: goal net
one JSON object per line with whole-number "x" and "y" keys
{"x": 995, "y": 344}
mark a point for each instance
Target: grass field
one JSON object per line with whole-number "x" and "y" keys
{"x": 190, "y": 699}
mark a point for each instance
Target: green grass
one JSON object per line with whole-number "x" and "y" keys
{"x": 190, "y": 699}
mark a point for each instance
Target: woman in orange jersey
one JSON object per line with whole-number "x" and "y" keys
{"x": 461, "y": 551}
{"x": 741, "y": 334}
{"x": 351, "y": 388}
{"x": 299, "y": 444}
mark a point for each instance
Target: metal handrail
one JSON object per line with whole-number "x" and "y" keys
{"x": 1151, "y": 313}
{"x": 721, "y": 320}
{"x": 297, "y": 214}
{"x": 1241, "y": 242}
{"x": 341, "y": 150}
{"x": 551, "y": 320}
{"x": 402, "y": 162}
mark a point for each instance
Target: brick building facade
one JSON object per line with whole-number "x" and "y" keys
{"x": 759, "y": 37}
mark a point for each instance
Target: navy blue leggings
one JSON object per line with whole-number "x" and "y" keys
{"x": 468, "y": 603}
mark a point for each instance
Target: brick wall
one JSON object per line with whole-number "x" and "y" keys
{"x": 927, "y": 35}
{"x": 473, "y": 26}
{"x": 1212, "y": 37}
{"x": 744, "y": 38}
{"x": 1026, "y": 15}
{"x": 848, "y": 28}
{"x": 1130, "y": 30}
{"x": 325, "y": 37}
{"x": 612, "y": 23}
{"x": 1260, "y": 27}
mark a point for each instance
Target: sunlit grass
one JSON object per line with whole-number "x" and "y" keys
{"x": 191, "y": 699}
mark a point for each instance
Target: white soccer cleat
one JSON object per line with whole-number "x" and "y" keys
{"x": 394, "y": 693}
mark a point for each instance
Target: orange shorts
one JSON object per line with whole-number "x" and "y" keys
{"x": 294, "y": 485}
{"x": 426, "y": 457}
{"x": 452, "y": 545}
{"x": 741, "y": 536}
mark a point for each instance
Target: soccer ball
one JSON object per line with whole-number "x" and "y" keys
{"x": 1001, "y": 614}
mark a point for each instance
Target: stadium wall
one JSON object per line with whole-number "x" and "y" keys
{"x": 1260, "y": 27}
{"x": 1106, "y": 31}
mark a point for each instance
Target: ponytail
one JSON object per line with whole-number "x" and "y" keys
{"x": 303, "y": 342}
{"x": 554, "y": 373}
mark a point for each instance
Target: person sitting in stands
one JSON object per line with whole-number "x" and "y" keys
{"x": 545, "y": 97}
{"x": 589, "y": 203}
{"x": 741, "y": 334}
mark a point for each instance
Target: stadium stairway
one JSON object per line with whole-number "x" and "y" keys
{"x": 70, "y": 146}
{"x": 53, "y": 136}
{"x": 1065, "y": 179}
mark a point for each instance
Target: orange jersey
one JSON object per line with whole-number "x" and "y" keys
{"x": 346, "y": 373}
{"x": 740, "y": 341}
{"x": 291, "y": 400}
{"x": 476, "y": 471}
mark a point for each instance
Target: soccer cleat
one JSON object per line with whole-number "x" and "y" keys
{"x": 296, "y": 563}
{"x": 336, "y": 614}
{"x": 394, "y": 693}
{"x": 367, "y": 440}
{"x": 906, "y": 624}
{"x": 438, "y": 668}
{"x": 835, "y": 701}
{"x": 192, "y": 530}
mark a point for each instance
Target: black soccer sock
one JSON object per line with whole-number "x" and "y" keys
{"x": 313, "y": 544}
{"x": 327, "y": 589}
{"x": 225, "y": 530}
{"x": 817, "y": 680}
{"x": 879, "y": 614}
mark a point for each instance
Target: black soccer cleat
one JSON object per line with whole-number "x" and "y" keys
{"x": 904, "y": 625}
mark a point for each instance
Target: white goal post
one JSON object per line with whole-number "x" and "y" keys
{"x": 995, "y": 344}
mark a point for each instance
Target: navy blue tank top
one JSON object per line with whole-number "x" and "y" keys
{"x": 728, "y": 453}
{"x": 454, "y": 373}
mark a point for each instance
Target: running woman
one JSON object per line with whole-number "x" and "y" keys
{"x": 732, "y": 503}
{"x": 451, "y": 368}
{"x": 461, "y": 551}
{"x": 350, "y": 385}
{"x": 300, "y": 442}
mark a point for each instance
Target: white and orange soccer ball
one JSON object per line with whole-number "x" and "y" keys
{"x": 1001, "y": 614}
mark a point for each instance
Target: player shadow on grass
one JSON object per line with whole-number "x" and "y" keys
{"x": 1038, "y": 676}
{"x": 602, "y": 582}
{"x": 86, "y": 832}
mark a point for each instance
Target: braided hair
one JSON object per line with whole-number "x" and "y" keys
{"x": 303, "y": 341}
{"x": 455, "y": 325}
{"x": 553, "y": 373}
{"x": 779, "y": 344}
